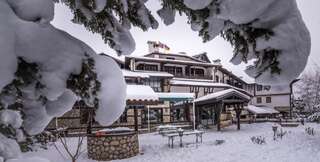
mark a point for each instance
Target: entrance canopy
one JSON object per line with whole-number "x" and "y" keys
{"x": 141, "y": 95}
{"x": 175, "y": 97}
{"x": 226, "y": 96}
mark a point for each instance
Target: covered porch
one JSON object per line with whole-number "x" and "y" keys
{"x": 138, "y": 97}
{"x": 219, "y": 107}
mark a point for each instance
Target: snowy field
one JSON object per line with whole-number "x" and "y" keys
{"x": 296, "y": 146}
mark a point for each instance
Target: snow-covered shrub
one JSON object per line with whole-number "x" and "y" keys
{"x": 44, "y": 71}
{"x": 310, "y": 131}
{"x": 258, "y": 140}
{"x": 315, "y": 117}
{"x": 219, "y": 142}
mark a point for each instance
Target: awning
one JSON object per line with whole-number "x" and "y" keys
{"x": 175, "y": 97}
{"x": 221, "y": 95}
{"x": 261, "y": 109}
{"x": 141, "y": 94}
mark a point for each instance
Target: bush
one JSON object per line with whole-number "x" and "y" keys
{"x": 258, "y": 140}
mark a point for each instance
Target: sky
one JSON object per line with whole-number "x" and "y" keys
{"x": 180, "y": 38}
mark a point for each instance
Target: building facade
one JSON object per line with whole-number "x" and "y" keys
{"x": 162, "y": 87}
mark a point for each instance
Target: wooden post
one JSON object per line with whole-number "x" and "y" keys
{"x": 219, "y": 109}
{"x": 197, "y": 116}
{"x": 135, "y": 118}
{"x": 238, "y": 113}
{"x": 90, "y": 120}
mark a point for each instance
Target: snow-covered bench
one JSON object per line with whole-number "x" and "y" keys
{"x": 168, "y": 129}
{"x": 180, "y": 134}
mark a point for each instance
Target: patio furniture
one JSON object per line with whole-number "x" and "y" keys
{"x": 181, "y": 134}
{"x": 167, "y": 129}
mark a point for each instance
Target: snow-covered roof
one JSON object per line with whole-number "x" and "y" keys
{"x": 173, "y": 61}
{"x": 175, "y": 95}
{"x": 141, "y": 93}
{"x": 134, "y": 74}
{"x": 221, "y": 94}
{"x": 203, "y": 83}
{"x": 155, "y": 73}
{"x": 261, "y": 109}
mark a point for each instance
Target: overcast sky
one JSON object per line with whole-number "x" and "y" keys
{"x": 180, "y": 38}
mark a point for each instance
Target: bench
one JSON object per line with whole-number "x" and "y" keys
{"x": 171, "y": 136}
{"x": 165, "y": 129}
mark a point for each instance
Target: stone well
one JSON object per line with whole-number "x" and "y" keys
{"x": 113, "y": 145}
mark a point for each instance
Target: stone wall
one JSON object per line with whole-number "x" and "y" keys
{"x": 113, "y": 146}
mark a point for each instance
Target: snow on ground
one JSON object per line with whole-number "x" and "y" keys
{"x": 296, "y": 146}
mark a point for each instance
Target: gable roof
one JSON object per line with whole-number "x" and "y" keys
{"x": 171, "y": 61}
{"x": 220, "y": 95}
{"x": 177, "y": 54}
{"x": 141, "y": 93}
{"x": 202, "y": 56}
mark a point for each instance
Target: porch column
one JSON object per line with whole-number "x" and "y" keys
{"x": 238, "y": 113}
{"x": 219, "y": 109}
{"x": 135, "y": 118}
{"x": 197, "y": 115}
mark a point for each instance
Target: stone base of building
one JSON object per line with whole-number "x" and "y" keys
{"x": 116, "y": 145}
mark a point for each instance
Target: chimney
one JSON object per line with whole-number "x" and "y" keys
{"x": 153, "y": 47}
{"x": 157, "y": 47}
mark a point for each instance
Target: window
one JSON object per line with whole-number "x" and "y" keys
{"x": 267, "y": 88}
{"x": 268, "y": 99}
{"x": 170, "y": 58}
{"x": 259, "y": 100}
{"x": 154, "y": 83}
{"x": 259, "y": 87}
{"x": 151, "y": 67}
{"x": 197, "y": 72}
{"x": 155, "y": 116}
{"x": 169, "y": 69}
{"x": 178, "y": 115}
{"x": 147, "y": 67}
{"x": 177, "y": 71}
{"x": 140, "y": 67}
{"x": 217, "y": 78}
